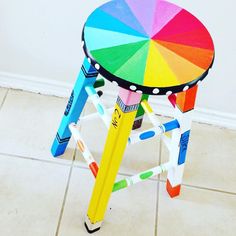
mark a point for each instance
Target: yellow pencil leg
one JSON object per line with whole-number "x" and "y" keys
{"x": 120, "y": 128}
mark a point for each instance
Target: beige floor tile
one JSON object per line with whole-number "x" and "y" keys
{"x": 210, "y": 159}
{"x": 138, "y": 157}
{"x": 31, "y": 196}
{"x": 130, "y": 212}
{"x": 196, "y": 212}
{"x": 3, "y": 92}
{"x": 28, "y": 124}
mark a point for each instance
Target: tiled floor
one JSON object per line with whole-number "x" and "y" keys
{"x": 43, "y": 196}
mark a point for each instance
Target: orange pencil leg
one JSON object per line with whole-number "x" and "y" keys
{"x": 185, "y": 102}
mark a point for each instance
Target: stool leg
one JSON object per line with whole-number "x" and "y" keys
{"x": 140, "y": 113}
{"x": 119, "y": 131}
{"x": 183, "y": 113}
{"x": 74, "y": 107}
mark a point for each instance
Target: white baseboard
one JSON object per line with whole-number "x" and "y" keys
{"x": 35, "y": 84}
{"x": 63, "y": 89}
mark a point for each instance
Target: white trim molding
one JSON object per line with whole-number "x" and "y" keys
{"x": 35, "y": 84}
{"x": 63, "y": 89}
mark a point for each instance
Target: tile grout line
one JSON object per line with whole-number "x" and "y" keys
{"x": 204, "y": 188}
{"x": 68, "y": 184}
{"x": 65, "y": 195}
{"x": 163, "y": 181}
{"x": 4, "y": 99}
{"x": 157, "y": 209}
{"x": 210, "y": 189}
{"x": 120, "y": 173}
{"x": 67, "y": 187}
{"x": 158, "y": 190}
{"x": 35, "y": 159}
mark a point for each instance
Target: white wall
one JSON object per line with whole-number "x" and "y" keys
{"x": 42, "y": 39}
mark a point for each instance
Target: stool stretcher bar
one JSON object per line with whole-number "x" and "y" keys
{"x": 104, "y": 114}
{"x": 125, "y": 183}
{"x": 165, "y": 138}
{"x": 137, "y": 137}
{"x": 147, "y": 108}
{"x": 95, "y": 115}
{"x": 151, "y": 133}
{"x": 155, "y": 121}
{"x": 93, "y": 166}
{"x": 98, "y": 105}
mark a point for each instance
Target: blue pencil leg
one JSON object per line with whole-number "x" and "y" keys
{"x": 78, "y": 98}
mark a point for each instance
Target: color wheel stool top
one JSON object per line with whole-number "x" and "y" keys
{"x": 152, "y": 47}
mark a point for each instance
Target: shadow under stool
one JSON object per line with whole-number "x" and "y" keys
{"x": 146, "y": 48}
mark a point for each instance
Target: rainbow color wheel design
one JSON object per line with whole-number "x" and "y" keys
{"x": 151, "y": 46}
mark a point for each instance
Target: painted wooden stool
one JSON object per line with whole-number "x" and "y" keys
{"x": 146, "y": 48}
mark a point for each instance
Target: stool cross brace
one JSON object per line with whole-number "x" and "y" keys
{"x": 158, "y": 129}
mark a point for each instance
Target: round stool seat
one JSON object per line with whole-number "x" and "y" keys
{"x": 151, "y": 47}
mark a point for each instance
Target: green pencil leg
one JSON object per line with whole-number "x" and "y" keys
{"x": 139, "y": 117}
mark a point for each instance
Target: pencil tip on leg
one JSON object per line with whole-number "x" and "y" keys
{"x": 91, "y": 231}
